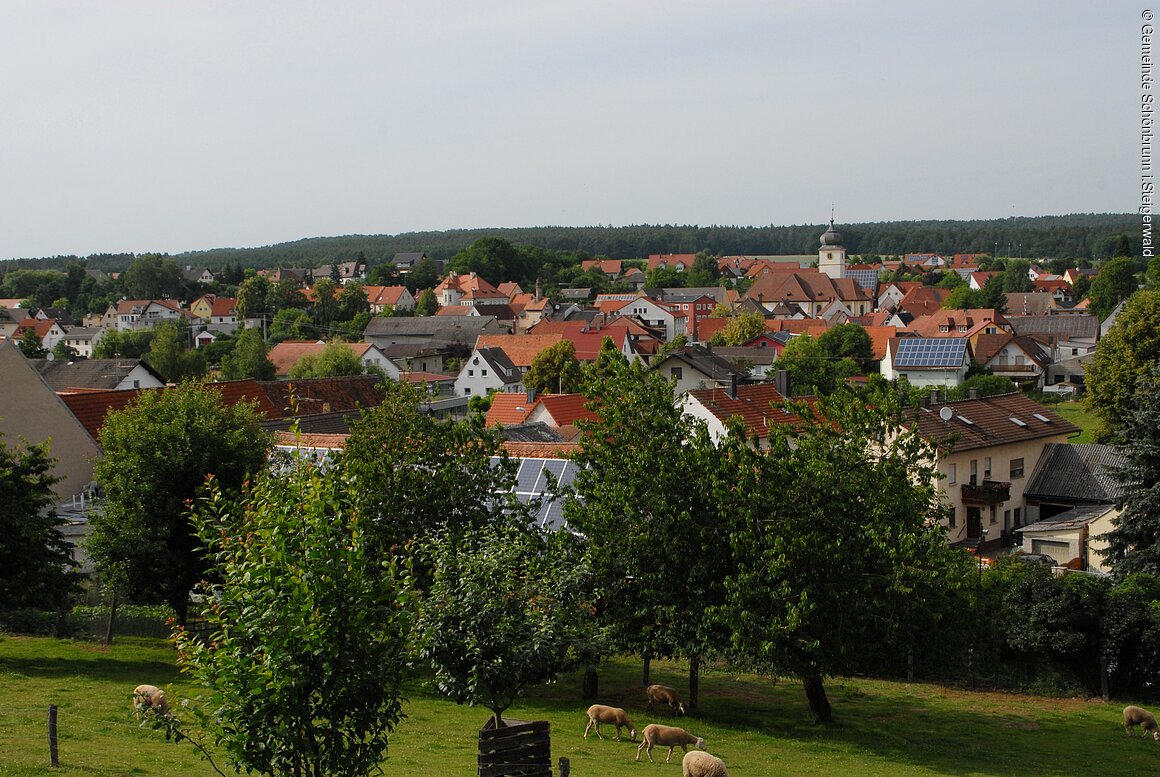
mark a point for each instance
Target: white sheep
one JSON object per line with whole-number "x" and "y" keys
{"x": 667, "y": 695}
{"x": 1138, "y": 716}
{"x": 698, "y": 763}
{"x": 598, "y": 713}
{"x": 149, "y": 697}
{"x": 656, "y": 734}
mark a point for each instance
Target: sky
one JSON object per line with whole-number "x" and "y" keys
{"x": 160, "y": 126}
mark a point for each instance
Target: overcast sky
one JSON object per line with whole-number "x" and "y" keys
{"x": 175, "y": 126}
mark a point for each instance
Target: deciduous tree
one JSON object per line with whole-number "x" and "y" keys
{"x": 1134, "y": 542}
{"x": 555, "y": 369}
{"x": 1115, "y": 283}
{"x": 334, "y": 361}
{"x": 249, "y": 358}
{"x": 1127, "y": 353}
{"x": 158, "y": 452}
{"x": 309, "y": 626}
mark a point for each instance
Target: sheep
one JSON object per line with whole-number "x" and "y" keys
{"x": 149, "y": 697}
{"x": 663, "y": 693}
{"x": 598, "y": 713}
{"x": 656, "y": 734}
{"x": 701, "y": 764}
{"x": 1138, "y": 716}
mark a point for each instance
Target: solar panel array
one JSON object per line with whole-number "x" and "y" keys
{"x": 867, "y": 279}
{"x": 534, "y": 482}
{"x": 931, "y": 352}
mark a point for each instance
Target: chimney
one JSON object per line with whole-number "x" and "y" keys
{"x": 781, "y": 382}
{"x": 531, "y": 395}
{"x": 731, "y": 389}
{"x": 972, "y": 393}
{"x": 934, "y": 396}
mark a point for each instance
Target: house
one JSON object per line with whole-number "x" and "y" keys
{"x": 10, "y": 319}
{"x": 986, "y": 447}
{"x": 1072, "y": 475}
{"x": 382, "y": 298}
{"x": 1020, "y": 358}
{"x": 286, "y": 354}
{"x": 217, "y": 314}
{"x": 342, "y": 273}
{"x": 756, "y": 360}
{"x": 415, "y": 358}
{"x": 968, "y": 323}
{"x": 553, "y": 411}
{"x": 678, "y": 262}
{"x": 489, "y": 369}
{"x": 60, "y": 315}
{"x": 64, "y": 376}
{"x": 650, "y": 313}
{"x": 30, "y": 410}
{"x": 696, "y": 367}
{"x": 759, "y": 406}
{"x": 470, "y": 290}
{"x": 48, "y": 330}
{"x": 812, "y": 291}
{"x": 133, "y": 314}
{"x": 612, "y": 268}
{"x": 927, "y": 361}
{"x": 431, "y": 331}
{"x": 200, "y": 275}
{"x": 83, "y": 339}
{"x": 1074, "y": 539}
{"x": 405, "y": 261}
{"x": 695, "y": 306}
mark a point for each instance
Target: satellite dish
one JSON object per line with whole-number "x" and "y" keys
{"x": 50, "y": 356}
{"x": 945, "y": 413}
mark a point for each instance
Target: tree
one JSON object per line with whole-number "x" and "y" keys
{"x": 310, "y": 627}
{"x": 249, "y": 358}
{"x": 132, "y": 344}
{"x": 555, "y": 369}
{"x": 36, "y": 563}
{"x": 158, "y": 452}
{"x": 169, "y": 355}
{"x": 808, "y": 364}
{"x": 31, "y": 345}
{"x": 1017, "y": 276}
{"x": 848, "y": 341}
{"x": 838, "y": 546}
{"x": 426, "y": 305}
{"x": 741, "y": 328}
{"x": 1134, "y": 542}
{"x": 609, "y": 360}
{"x": 253, "y": 297}
{"x": 352, "y": 300}
{"x": 658, "y": 547}
{"x": 401, "y": 455}
{"x": 705, "y": 270}
{"x": 336, "y": 360}
{"x": 1115, "y": 283}
{"x": 492, "y": 258}
{"x": 325, "y": 303}
{"x": 285, "y": 295}
{"x": 1127, "y": 353}
{"x": 153, "y": 276}
{"x": 62, "y": 350}
{"x": 291, "y": 324}
{"x": 423, "y": 276}
{"x": 528, "y": 595}
{"x": 666, "y": 278}
{"x": 1152, "y": 274}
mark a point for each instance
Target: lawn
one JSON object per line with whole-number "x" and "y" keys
{"x": 1075, "y": 412}
{"x": 760, "y": 727}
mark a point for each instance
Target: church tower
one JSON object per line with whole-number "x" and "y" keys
{"x": 832, "y": 254}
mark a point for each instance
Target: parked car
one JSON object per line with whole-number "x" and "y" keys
{"x": 1037, "y": 558}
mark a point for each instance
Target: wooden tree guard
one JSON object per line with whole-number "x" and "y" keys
{"x": 520, "y": 748}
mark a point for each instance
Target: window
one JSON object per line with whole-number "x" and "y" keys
{"x": 1007, "y": 519}
{"x": 952, "y": 517}
{"x": 1016, "y": 469}
{"x": 987, "y": 468}
{"x": 1017, "y": 512}
{"x": 471, "y": 373}
{"x": 467, "y": 391}
{"x": 952, "y": 475}
{"x": 993, "y": 511}
{"x": 974, "y": 471}
{"x": 675, "y": 372}
{"x": 483, "y": 373}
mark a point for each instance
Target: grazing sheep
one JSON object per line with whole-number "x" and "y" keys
{"x": 663, "y": 693}
{"x": 701, "y": 764}
{"x": 656, "y": 734}
{"x": 1138, "y": 716}
{"x": 149, "y": 697}
{"x": 598, "y": 714}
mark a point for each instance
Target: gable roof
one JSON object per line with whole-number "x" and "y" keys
{"x": 509, "y": 409}
{"x": 1080, "y": 472}
{"x": 928, "y": 352}
{"x": 714, "y": 367}
{"x": 62, "y": 375}
{"x": 758, "y": 405}
{"x": 987, "y": 422}
{"x": 1086, "y": 326}
{"x": 988, "y": 346}
{"x": 521, "y": 349}
{"x": 566, "y": 409}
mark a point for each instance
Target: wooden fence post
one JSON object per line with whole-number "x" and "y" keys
{"x": 52, "y": 755}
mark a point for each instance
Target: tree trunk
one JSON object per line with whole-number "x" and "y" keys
{"x": 112, "y": 618}
{"x": 497, "y": 719}
{"x": 694, "y": 681}
{"x": 647, "y": 661}
{"x": 591, "y": 683}
{"x": 816, "y": 696}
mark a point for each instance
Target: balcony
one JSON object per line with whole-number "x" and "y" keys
{"x": 989, "y": 492}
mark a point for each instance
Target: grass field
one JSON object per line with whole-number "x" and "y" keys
{"x": 758, "y": 726}
{"x": 1075, "y": 412}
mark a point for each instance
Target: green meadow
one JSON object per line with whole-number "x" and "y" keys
{"x": 757, "y": 725}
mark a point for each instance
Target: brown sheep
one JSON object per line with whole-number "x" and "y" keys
{"x": 598, "y": 713}
{"x": 1138, "y": 716}
{"x": 149, "y": 697}
{"x": 666, "y": 695}
{"x": 656, "y": 734}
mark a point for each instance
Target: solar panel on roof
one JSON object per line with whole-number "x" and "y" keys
{"x": 931, "y": 352}
{"x": 534, "y": 481}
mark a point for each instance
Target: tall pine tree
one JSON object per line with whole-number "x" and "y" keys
{"x": 1134, "y": 543}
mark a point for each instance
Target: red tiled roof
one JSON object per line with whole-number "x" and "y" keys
{"x": 757, "y": 404}
{"x": 510, "y": 409}
{"x": 990, "y": 422}
{"x": 566, "y": 409}
{"x": 521, "y": 349}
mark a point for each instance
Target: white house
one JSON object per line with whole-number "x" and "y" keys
{"x": 927, "y": 361}
{"x": 488, "y": 369}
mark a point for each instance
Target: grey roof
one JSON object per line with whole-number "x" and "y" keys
{"x": 1028, "y": 303}
{"x": 61, "y": 375}
{"x": 1080, "y": 472}
{"x": 437, "y": 328}
{"x": 534, "y": 432}
{"x": 408, "y": 257}
{"x": 867, "y": 279}
{"x": 1072, "y": 519}
{"x": 711, "y": 365}
{"x": 752, "y": 354}
{"x": 1061, "y": 326}
{"x": 501, "y": 364}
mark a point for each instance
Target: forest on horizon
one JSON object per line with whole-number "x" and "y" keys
{"x": 1075, "y": 236}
